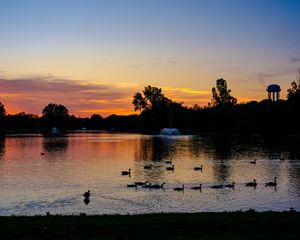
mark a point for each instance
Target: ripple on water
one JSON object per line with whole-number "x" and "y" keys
{"x": 73, "y": 163}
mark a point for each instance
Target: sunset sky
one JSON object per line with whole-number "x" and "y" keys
{"x": 93, "y": 55}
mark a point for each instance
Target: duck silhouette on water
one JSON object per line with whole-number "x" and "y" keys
{"x": 141, "y": 183}
{"x": 124, "y": 173}
{"x": 170, "y": 168}
{"x": 132, "y": 185}
{"x": 156, "y": 186}
{"x": 272, "y": 184}
{"x": 252, "y": 184}
{"x": 179, "y": 189}
{"x": 217, "y": 186}
{"x": 148, "y": 167}
{"x": 230, "y": 185}
{"x": 253, "y": 161}
{"x": 86, "y": 196}
{"x": 198, "y": 168}
{"x": 197, "y": 187}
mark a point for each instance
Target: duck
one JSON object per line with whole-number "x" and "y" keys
{"x": 140, "y": 183}
{"x": 217, "y": 186}
{"x": 126, "y": 172}
{"x": 252, "y": 184}
{"x": 156, "y": 186}
{"x": 274, "y": 184}
{"x": 132, "y": 185}
{"x": 197, "y": 187}
{"x": 179, "y": 188}
{"x": 148, "y": 166}
{"x": 170, "y": 168}
{"x": 168, "y": 162}
{"x": 198, "y": 168}
{"x": 87, "y": 194}
{"x": 146, "y": 185}
{"x": 230, "y": 185}
{"x": 253, "y": 162}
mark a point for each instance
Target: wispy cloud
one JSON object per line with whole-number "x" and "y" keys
{"x": 82, "y": 98}
{"x": 152, "y": 64}
{"x": 32, "y": 94}
{"x": 294, "y": 60}
{"x": 187, "y": 95}
{"x": 264, "y": 78}
{"x": 142, "y": 65}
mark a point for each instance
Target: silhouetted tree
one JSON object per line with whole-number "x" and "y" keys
{"x": 96, "y": 117}
{"x": 152, "y": 97}
{"x": 22, "y": 120}
{"x": 53, "y": 110}
{"x": 221, "y": 95}
{"x": 56, "y": 115}
{"x": 294, "y": 91}
{"x": 293, "y": 105}
{"x": 2, "y": 110}
{"x": 96, "y": 121}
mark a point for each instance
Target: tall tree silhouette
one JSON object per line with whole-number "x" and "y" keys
{"x": 294, "y": 91}
{"x": 53, "y": 110}
{"x": 2, "y": 110}
{"x": 221, "y": 95}
{"x": 56, "y": 115}
{"x": 152, "y": 97}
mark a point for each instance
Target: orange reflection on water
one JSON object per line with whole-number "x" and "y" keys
{"x": 75, "y": 162}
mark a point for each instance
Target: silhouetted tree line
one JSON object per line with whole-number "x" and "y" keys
{"x": 222, "y": 115}
{"x": 57, "y": 116}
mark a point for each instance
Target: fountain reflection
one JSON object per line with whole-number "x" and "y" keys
{"x": 95, "y": 160}
{"x": 155, "y": 149}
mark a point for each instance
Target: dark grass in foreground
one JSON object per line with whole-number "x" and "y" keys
{"x": 234, "y": 225}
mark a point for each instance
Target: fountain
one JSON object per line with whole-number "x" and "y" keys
{"x": 169, "y": 131}
{"x": 54, "y": 130}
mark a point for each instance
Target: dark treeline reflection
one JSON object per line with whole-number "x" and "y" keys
{"x": 2, "y": 146}
{"x": 282, "y": 147}
{"x": 221, "y": 150}
{"x": 222, "y": 146}
{"x": 156, "y": 149}
{"x": 55, "y": 144}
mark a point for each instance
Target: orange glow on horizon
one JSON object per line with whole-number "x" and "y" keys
{"x": 86, "y": 98}
{"x": 12, "y": 108}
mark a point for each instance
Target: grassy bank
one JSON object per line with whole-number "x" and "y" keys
{"x": 237, "y": 225}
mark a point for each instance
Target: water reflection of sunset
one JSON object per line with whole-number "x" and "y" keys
{"x": 72, "y": 163}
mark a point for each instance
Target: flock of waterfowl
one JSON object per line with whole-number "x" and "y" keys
{"x": 199, "y": 187}
{"x": 150, "y": 186}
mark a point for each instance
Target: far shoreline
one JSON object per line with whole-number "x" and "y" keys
{"x": 48, "y": 132}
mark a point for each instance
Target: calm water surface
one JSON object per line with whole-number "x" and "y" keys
{"x": 32, "y": 183}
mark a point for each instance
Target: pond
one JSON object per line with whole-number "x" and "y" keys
{"x": 72, "y": 163}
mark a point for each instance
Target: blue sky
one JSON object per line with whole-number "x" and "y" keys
{"x": 181, "y": 46}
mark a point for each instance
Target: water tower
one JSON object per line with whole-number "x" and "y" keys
{"x": 273, "y": 92}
